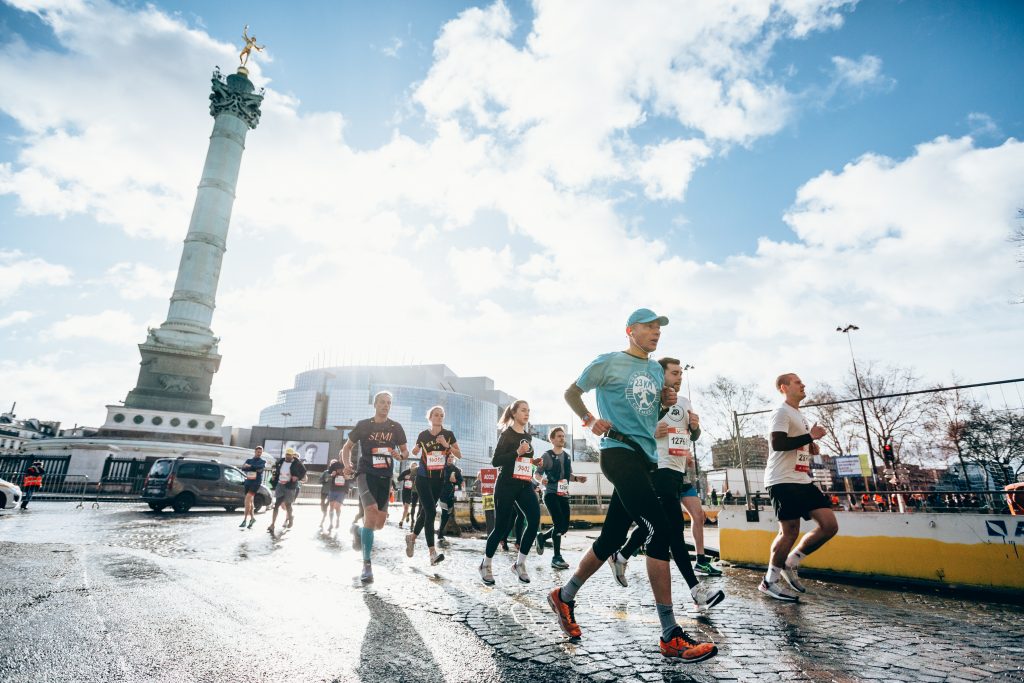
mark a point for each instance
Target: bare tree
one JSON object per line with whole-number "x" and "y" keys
{"x": 840, "y": 434}
{"x": 895, "y": 418}
{"x": 722, "y": 397}
{"x": 995, "y": 440}
{"x": 949, "y": 412}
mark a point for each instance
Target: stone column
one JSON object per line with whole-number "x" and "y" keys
{"x": 180, "y": 357}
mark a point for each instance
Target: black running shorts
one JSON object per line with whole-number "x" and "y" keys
{"x": 793, "y": 501}
{"x": 374, "y": 491}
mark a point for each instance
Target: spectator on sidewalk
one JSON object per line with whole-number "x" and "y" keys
{"x": 31, "y": 482}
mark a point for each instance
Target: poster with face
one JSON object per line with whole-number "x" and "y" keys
{"x": 310, "y": 452}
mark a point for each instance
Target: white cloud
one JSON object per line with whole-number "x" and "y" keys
{"x": 114, "y": 327}
{"x": 135, "y": 281}
{"x": 393, "y": 48}
{"x": 18, "y": 271}
{"x": 982, "y": 125}
{"x": 666, "y": 169}
{"x": 16, "y": 318}
{"x": 862, "y": 73}
{"x": 480, "y": 270}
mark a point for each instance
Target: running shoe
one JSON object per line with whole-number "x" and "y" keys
{"x": 367, "y": 575}
{"x": 436, "y": 558}
{"x": 242, "y": 525}
{"x": 520, "y": 571}
{"x": 791, "y": 577}
{"x": 706, "y": 568}
{"x": 410, "y": 544}
{"x": 357, "y": 539}
{"x": 540, "y": 544}
{"x": 288, "y": 522}
{"x": 774, "y": 590}
{"x": 270, "y": 529}
{"x": 558, "y": 563}
{"x": 705, "y": 596}
{"x": 401, "y": 523}
{"x": 618, "y": 569}
{"x": 485, "y": 574}
{"x": 251, "y": 522}
{"x": 566, "y": 612}
{"x": 683, "y": 646}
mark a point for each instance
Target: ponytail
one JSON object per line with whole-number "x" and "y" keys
{"x": 506, "y": 415}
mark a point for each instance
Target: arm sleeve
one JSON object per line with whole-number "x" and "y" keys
{"x": 505, "y": 451}
{"x": 781, "y": 442}
{"x": 574, "y": 397}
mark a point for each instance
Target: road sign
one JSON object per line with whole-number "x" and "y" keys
{"x": 848, "y": 466}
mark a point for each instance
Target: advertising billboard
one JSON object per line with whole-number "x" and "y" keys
{"x": 310, "y": 452}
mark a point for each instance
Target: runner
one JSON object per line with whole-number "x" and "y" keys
{"x": 253, "y": 469}
{"x": 433, "y": 445}
{"x": 380, "y": 440}
{"x": 513, "y": 490}
{"x": 630, "y": 391}
{"x": 405, "y": 482}
{"x": 337, "y": 484}
{"x": 557, "y": 469}
{"x": 787, "y": 477}
{"x": 452, "y": 482}
{"x": 31, "y": 482}
{"x": 674, "y": 434}
{"x": 325, "y": 490}
{"x": 288, "y": 473}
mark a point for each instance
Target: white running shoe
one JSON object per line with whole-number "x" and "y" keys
{"x": 774, "y": 590}
{"x": 520, "y": 571}
{"x": 705, "y": 596}
{"x": 410, "y": 544}
{"x": 618, "y": 569}
{"x": 485, "y": 574}
{"x": 791, "y": 577}
{"x": 367, "y": 575}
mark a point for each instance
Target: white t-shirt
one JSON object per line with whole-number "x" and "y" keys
{"x": 789, "y": 467}
{"x": 285, "y": 475}
{"x": 674, "y": 450}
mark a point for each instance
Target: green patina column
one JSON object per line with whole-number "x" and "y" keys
{"x": 180, "y": 357}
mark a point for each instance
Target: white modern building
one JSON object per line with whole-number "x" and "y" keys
{"x": 338, "y": 397}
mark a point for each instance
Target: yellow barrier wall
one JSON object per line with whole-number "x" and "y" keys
{"x": 963, "y": 549}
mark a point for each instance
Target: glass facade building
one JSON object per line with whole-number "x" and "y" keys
{"x": 339, "y": 397}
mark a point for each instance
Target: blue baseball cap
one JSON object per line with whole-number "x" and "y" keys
{"x": 645, "y": 315}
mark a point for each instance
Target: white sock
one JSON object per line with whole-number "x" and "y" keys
{"x": 487, "y": 562}
{"x": 521, "y": 561}
{"x": 773, "y": 573}
{"x": 619, "y": 558}
{"x": 794, "y": 559}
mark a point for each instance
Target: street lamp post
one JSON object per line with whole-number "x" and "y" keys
{"x": 860, "y": 397}
{"x": 693, "y": 442}
{"x": 284, "y": 430}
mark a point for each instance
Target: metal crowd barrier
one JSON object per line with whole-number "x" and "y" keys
{"x": 987, "y": 502}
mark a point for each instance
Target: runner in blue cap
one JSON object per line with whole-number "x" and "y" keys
{"x": 631, "y": 391}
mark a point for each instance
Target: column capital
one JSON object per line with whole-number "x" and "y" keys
{"x": 235, "y": 95}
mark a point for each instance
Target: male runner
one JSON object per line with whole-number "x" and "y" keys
{"x": 557, "y": 470}
{"x": 288, "y": 473}
{"x": 337, "y": 489}
{"x": 674, "y": 434}
{"x": 630, "y": 391}
{"x": 787, "y": 477}
{"x": 253, "y": 469}
{"x": 380, "y": 440}
{"x": 405, "y": 484}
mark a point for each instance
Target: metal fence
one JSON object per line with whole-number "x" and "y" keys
{"x": 934, "y": 422}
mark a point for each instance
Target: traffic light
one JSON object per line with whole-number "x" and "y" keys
{"x": 887, "y": 455}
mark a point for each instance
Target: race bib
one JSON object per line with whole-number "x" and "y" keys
{"x": 339, "y": 480}
{"x": 435, "y": 460}
{"x": 381, "y": 457}
{"x": 407, "y": 484}
{"x": 250, "y": 475}
{"x": 803, "y": 458}
{"x": 563, "y": 487}
{"x": 523, "y": 469}
{"x": 678, "y": 442}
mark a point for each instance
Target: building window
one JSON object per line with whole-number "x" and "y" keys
{"x": 192, "y": 424}
{"x": 119, "y": 417}
{"x": 175, "y": 422}
{"x": 138, "y": 419}
{"x": 157, "y": 420}
{"x": 210, "y": 424}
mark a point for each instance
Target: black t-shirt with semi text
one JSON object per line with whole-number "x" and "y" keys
{"x": 376, "y": 442}
{"x": 433, "y": 469}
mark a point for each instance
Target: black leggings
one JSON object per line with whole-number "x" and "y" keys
{"x": 669, "y": 484}
{"x": 634, "y": 500}
{"x": 507, "y": 500}
{"x": 558, "y": 508}
{"x": 429, "y": 490}
{"x": 447, "y": 510}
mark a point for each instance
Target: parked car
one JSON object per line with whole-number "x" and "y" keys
{"x": 10, "y": 495}
{"x": 183, "y": 483}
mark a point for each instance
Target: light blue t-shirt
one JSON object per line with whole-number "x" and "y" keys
{"x": 628, "y": 396}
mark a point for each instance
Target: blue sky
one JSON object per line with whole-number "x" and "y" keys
{"x": 515, "y": 178}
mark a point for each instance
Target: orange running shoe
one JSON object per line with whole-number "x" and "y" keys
{"x": 566, "y": 613}
{"x": 686, "y": 648}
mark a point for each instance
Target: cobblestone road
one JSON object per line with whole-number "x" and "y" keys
{"x": 836, "y": 633}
